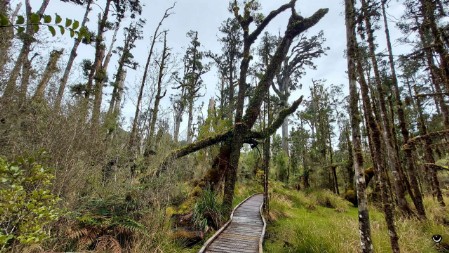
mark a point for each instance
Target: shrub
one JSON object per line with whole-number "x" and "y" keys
{"x": 27, "y": 205}
{"x": 207, "y": 211}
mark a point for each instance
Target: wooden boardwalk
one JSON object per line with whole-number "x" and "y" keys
{"x": 244, "y": 231}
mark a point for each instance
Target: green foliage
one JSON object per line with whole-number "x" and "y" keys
{"x": 35, "y": 21}
{"x": 281, "y": 162}
{"x": 107, "y": 224}
{"x": 207, "y": 211}
{"x": 26, "y": 202}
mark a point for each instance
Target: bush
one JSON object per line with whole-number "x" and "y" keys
{"x": 27, "y": 205}
{"x": 207, "y": 211}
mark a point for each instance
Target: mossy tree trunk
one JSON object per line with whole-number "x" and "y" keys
{"x": 355, "y": 117}
{"x": 70, "y": 61}
{"x": 416, "y": 193}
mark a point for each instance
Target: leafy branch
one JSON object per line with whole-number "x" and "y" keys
{"x": 36, "y": 21}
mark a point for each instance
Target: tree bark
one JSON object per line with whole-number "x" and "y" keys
{"x": 159, "y": 95}
{"x": 417, "y": 195}
{"x": 48, "y": 73}
{"x": 393, "y": 160}
{"x": 133, "y": 135}
{"x": 351, "y": 43}
{"x": 10, "y": 89}
{"x": 69, "y": 66}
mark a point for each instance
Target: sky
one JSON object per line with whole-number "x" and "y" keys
{"x": 205, "y": 16}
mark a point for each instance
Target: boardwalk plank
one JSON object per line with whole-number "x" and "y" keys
{"x": 243, "y": 233}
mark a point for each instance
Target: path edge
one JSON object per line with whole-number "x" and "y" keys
{"x": 210, "y": 240}
{"x": 262, "y": 236}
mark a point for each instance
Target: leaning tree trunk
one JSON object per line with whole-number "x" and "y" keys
{"x": 159, "y": 95}
{"x": 10, "y": 89}
{"x": 381, "y": 172}
{"x": 133, "y": 135}
{"x": 48, "y": 73}
{"x": 72, "y": 57}
{"x": 428, "y": 154}
{"x": 351, "y": 43}
{"x": 417, "y": 195}
{"x": 393, "y": 160}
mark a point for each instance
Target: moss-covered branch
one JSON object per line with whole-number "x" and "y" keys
{"x": 277, "y": 122}
{"x": 413, "y": 141}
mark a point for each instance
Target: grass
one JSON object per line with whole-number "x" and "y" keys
{"x": 321, "y": 222}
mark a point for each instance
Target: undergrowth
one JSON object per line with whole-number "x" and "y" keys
{"x": 319, "y": 221}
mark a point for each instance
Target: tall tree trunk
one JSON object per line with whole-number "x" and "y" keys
{"x": 428, "y": 12}
{"x": 72, "y": 57}
{"x": 48, "y": 73}
{"x": 7, "y": 37}
{"x": 266, "y": 154}
{"x": 351, "y": 43}
{"x": 133, "y": 135}
{"x": 428, "y": 154}
{"x": 190, "y": 120}
{"x": 378, "y": 160}
{"x": 393, "y": 160}
{"x": 417, "y": 195}
{"x": 159, "y": 95}
{"x": 24, "y": 51}
{"x": 97, "y": 73}
{"x": 434, "y": 71}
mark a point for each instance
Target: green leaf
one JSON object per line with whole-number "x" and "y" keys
{"x": 47, "y": 19}
{"x": 4, "y": 21}
{"x": 20, "y": 20}
{"x": 58, "y": 19}
{"x": 21, "y": 29}
{"x": 61, "y": 29}
{"x": 52, "y": 30}
{"x": 68, "y": 22}
{"x": 75, "y": 25}
{"x": 35, "y": 18}
{"x": 36, "y": 28}
{"x": 72, "y": 32}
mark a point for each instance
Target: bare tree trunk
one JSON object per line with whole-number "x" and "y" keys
{"x": 435, "y": 73}
{"x": 417, "y": 195}
{"x": 97, "y": 72}
{"x": 351, "y": 44}
{"x": 428, "y": 12}
{"x": 190, "y": 120}
{"x": 133, "y": 135}
{"x": 7, "y": 37}
{"x": 159, "y": 95}
{"x": 393, "y": 160}
{"x": 72, "y": 57}
{"x": 48, "y": 73}
{"x": 428, "y": 154}
{"x": 24, "y": 52}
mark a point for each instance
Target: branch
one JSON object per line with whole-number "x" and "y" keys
{"x": 277, "y": 122}
{"x": 431, "y": 94}
{"x": 253, "y": 36}
{"x": 412, "y": 142}
{"x": 193, "y": 147}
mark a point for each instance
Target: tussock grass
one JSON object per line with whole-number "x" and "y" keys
{"x": 320, "y": 221}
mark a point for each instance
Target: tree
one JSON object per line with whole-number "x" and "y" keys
{"x": 190, "y": 84}
{"x": 132, "y": 33}
{"x": 22, "y": 59}
{"x": 70, "y": 61}
{"x": 159, "y": 94}
{"x": 227, "y": 160}
{"x": 301, "y": 56}
{"x": 156, "y": 34}
{"x": 351, "y": 43}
